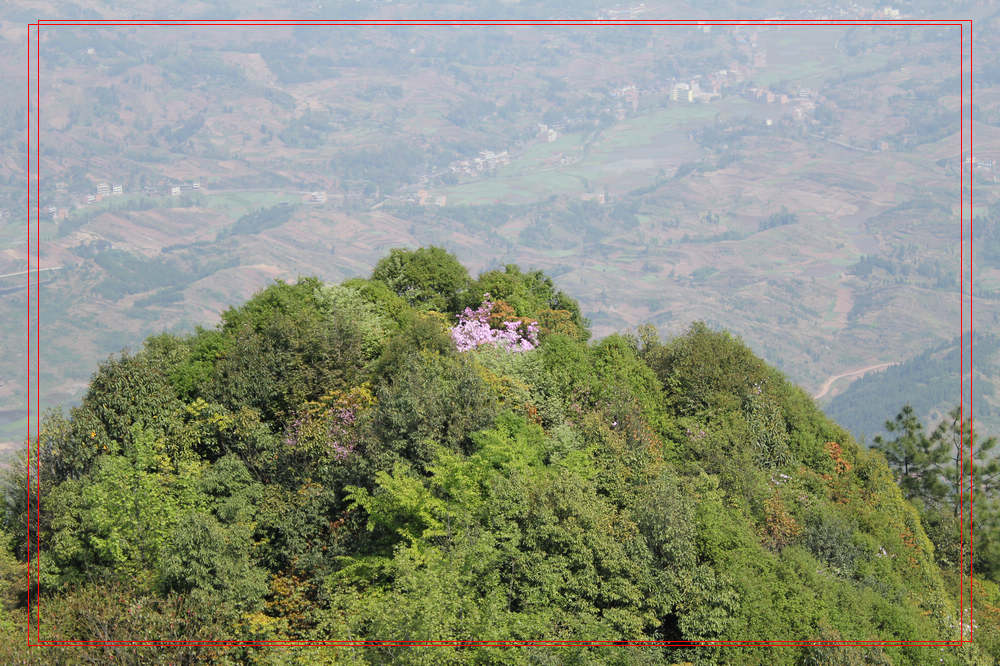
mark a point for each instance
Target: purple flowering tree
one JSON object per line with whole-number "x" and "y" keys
{"x": 473, "y": 329}
{"x": 330, "y": 431}
{"x": 327, "y": 428}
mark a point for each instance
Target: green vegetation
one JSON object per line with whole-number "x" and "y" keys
{"x": 126, "y": 273}
{"x": 778, "y": 220}
{"x": 428, "y": 277}
{"x": 952, "y": 477}
{"x": 325, "y": 465}
{"x": 236, "y": 204}
{"x": 259, "y": 220}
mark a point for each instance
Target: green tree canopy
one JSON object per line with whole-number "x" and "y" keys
{"x": 327, "y": 465}
{"x": 429, "y": 278}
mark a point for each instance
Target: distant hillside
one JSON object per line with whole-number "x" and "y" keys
{"x": 802, "y": 196}
{"x": 929, "y": 383}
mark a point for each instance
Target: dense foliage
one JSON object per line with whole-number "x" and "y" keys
{"x": 421, "y": 456}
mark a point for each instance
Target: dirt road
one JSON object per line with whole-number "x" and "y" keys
{"x": 860, "y": 371}
{"x": 39, "y": 270}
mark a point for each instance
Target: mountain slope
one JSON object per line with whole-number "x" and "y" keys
{"x": 929, "y": 382}
{"x": 379, "y": 460}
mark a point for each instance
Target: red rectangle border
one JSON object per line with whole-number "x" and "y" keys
{"x": 36, "y": 58}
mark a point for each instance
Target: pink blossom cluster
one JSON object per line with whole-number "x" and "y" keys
{"x": 333, "y": 428}
{"x": 696, "y": 434}
{"x": 338, "y": 431}
{"x": 474, "y": 329}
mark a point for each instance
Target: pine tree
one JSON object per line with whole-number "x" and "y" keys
{"x": 916, "y": 460}
{"x": 971, "y": 458}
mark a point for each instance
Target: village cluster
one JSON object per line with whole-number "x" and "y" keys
{"x": 106, "y": 190}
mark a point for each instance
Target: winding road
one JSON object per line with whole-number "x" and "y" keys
{"x": 34, "y": 270}
{"x": 860, "y": 371}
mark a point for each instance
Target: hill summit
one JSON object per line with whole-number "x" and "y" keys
{"x": 424, "y": 456}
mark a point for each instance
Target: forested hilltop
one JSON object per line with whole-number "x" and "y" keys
{"x": 424, "y": 456}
